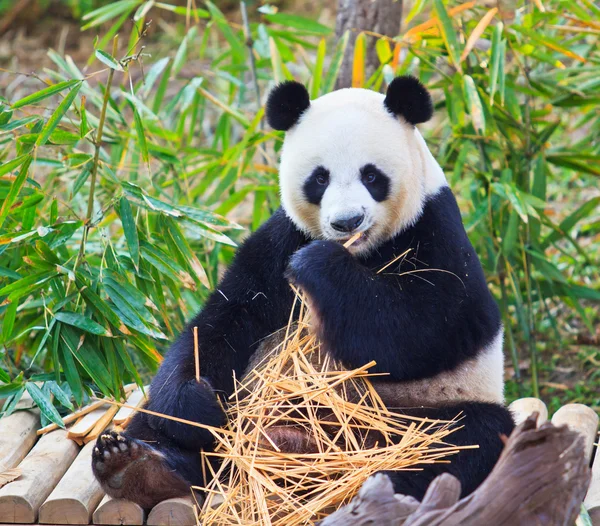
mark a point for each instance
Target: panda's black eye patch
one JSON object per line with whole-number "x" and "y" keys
{"x": 375, "y": 181}
{"x": 316, "y": 184}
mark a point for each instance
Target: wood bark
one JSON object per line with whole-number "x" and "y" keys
{"x": 379, "y": 16}
{"x": 541, "y": 478}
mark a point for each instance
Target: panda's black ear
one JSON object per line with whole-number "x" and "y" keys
{"x": 285, "y": 104}
{"x": 407, "y": 97}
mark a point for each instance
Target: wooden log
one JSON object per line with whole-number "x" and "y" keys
{"x": 77, "y": 495}
{"x": 582, "y": 419}
{"x": 173, "y": 512}
{"x": 118, "y": 511}
{"x": 41, "y": 470}
{"x": 592, "y": 499}
{"x": 17, "y": 437}
{"x": 523, "y": 407}
{"x": 541, "y": 478}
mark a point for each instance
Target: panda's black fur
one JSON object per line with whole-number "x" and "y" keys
{"x": 427, "y": 313}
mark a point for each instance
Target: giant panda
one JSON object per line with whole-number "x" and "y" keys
{"x": 351, "y": 161}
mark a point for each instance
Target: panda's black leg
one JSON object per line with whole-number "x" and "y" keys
{"x": 482, "y": 424}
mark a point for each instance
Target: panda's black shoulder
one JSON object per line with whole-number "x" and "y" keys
{"x": 438, "y": 234}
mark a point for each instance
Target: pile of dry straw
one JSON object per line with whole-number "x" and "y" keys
{"x": 303, "y": 436}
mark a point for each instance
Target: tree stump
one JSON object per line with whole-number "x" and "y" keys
{"x": 541, "y": 478}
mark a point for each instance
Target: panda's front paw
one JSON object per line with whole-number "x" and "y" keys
{"x": 314, "y": 261}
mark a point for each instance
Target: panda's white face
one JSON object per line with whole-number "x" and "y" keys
{"x": 349, "y": 165}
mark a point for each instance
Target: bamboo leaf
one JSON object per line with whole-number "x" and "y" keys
{"x": 139, "y": 129}
{"x": 278, "y": 74}
{"x": 130, "y": 230}
{"x": 298, "y": 22}
{"x": 60, "y": 395}
{"x": 448, "y": 33}
{"x": 15, "y": 188}
{"x": 548, "y": 42}
{"x": 474, "y": 104}
{"x": 336, "y": 63}
{"x": 44, "y": 403}
{"x": 108, "y": 60}
{"x": 39, "y": 96}
{"x": 81, "y": 322}
{"x": 105, "y": 13}
{"x": 57, "y": 116}
{"x": 478, "y": 31}
{"x": 9, "y": 321}
{"x": 359, "y": 61}
{"x": 318, "y": 70}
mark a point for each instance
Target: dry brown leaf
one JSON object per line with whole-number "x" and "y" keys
{"x": 478, "y": 31}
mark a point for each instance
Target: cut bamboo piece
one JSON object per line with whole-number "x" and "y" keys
{"x": 118, "y": 511}
{"x": 101, "y": 424}
{"x": 135, "y": 399}
{"x": 87, "y": 422}
{"x": 523, "y": 407}
{"x": 592, "y": 499}
{"x": 41, "y": 470}
{"x": 580, "y": 418}
{"x": 77, "y": 495}
{"x": 17, "y": 437}
{"x": 173, "y": 512}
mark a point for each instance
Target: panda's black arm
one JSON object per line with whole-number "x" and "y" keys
{"x": 252, "y": 301}
{"x": 413, "y": 326}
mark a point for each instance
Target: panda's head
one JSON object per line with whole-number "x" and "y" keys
{"x": 353, "y": 161}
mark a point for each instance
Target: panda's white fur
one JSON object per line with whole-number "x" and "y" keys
{"x": 343, "y": 131}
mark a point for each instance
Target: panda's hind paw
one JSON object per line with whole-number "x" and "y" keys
{"x": 112, "y": 454}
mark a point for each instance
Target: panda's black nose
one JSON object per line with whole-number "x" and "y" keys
{"x": 349, "y": 224}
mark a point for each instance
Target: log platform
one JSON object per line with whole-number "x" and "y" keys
{"x": 56, "y": 484}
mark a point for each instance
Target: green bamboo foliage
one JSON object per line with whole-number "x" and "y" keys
{"x": 122, "y": 195}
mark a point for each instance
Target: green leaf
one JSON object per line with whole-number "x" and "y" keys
{"x": 237, "y": 47}
{"x": 39, "y": 96}
{"x": 510, "y": 237}
{"x": 88, "y": 356}
{"x": 15, "y": 188}
{"x": 45, "y": 404}
{"x": 81, "y": 322}
{"x": 572, "y": 219}
{"x": 139, "y": 129}
{"x": 496, "y": 60}
{"x": 12, "y": 165}
{"x": 336, "y": 63}
{"x": 448, "y": 33}
{"x": 9, "y": 321}
{"x": 60, "y": 395}
{"x": 4, "y": 377}
{"x": 57, "y": 116}
{"x": 298, "y": 22}
{"x": 474, "y": 105}
{"x": 318, "y": 70}
{"x": 130, "y": 230}
{"x": 109, "y": 60}
{"x": 105, "y": 13}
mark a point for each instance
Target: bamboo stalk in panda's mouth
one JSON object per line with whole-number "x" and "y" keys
{"x": 353, "y": 239}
